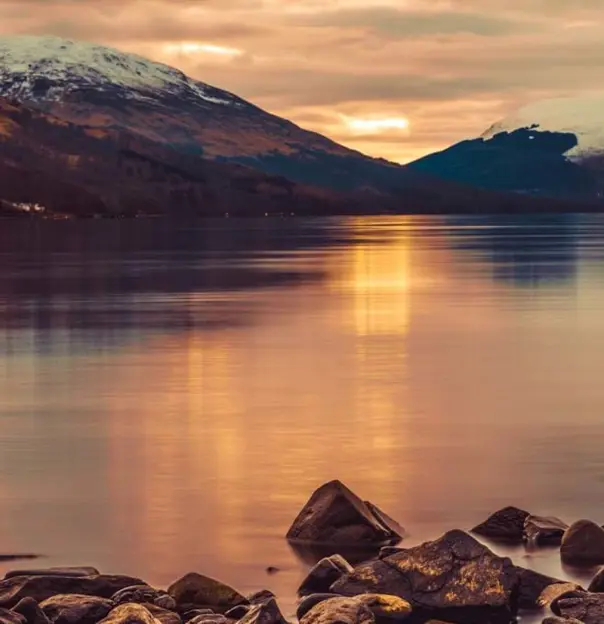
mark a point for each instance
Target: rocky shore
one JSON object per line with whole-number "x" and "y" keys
{"x": 454, "y": 579}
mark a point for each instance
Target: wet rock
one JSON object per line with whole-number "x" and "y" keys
{"x": 324, "y": 574}
{"x": 260, "y": 597}
{"x": 335, "y": 515}
{"x": 201, "y": 591}
{"x": 505, "y": 524}
{"x": 210, "y": 618}
{"x": 531, "y": 588}
{"x": 164, "y": 616}
{"x": 76, "y": 609}
{"x": 586, "y": 607}
{"x": 42, "y": 587}
{"x": 454, "y": 574}
{"x": 339, "y": 611}
{"x": 31, "y": 611}
{"x": 386, "y": 551}
{"x": 597, "y": 584}
{"x": 558, "y": 620}
{"x": 583, "y": 544}
{"x": 189, "y": 615}
{"x": 77, "y": 571}
{"x": 266, "y": 613}
{"x": 130, "y": 613}
{"x": 236, "y": 613}
{"x": 553, "y": 593}
{"x": 309, "y": 602}
{"x": 10, "y": 617}
{"x": 386, "y": 607}
{"x": 544, "y": 530}
{"x": 143, "y": 593}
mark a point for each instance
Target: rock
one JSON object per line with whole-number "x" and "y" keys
{"x": 597, "y": 584}
{"x": 583, "y": 544}
{"x": 260, "y": 597}
{"x": 384, "y": 606}
{"x": 10, "y": 617}
{"x": 453, "y": 574}
{"x": 77, "y": 571}
{"x": 140, "y": 594}
{"x": 76, "y": 609}
{"x": 544, "y": 530}
{"x": 236, "y": 613}
{"x": 164, "y": 616}
{"x": 586, "y": 607}
{"x": 201, "y": 591}
{"x": 324, "y": 574}
{"x": 335, "y": 515}
{"x": 553, "y": 593}
{"x": 130, "y": 613}
{"x": 386, "y": 551}
{"x": 558, "y": 620}
{"x": 309, "y": 602}
{"x": 42, "y": 587}
{"x": 210, "y": 618}
{"x": 267, "y": 613}
{"x": 31, "y": 611}
{"x": 189, "y": 615}
{"x": 531, "y": 588}
{"x": 339, "y": 611}
{"x": 505, "y": 524}
{"x": 272, "y": 570}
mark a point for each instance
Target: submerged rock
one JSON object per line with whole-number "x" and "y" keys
{"x": 266, "y": 613}
{"x": 42, "y": 587}
{"x": 130, "y": 613}
{"x": 583, "y": 544}
{"x": 31, "y": 611}
{"x": 77, "y": 571}
{"x": 453, "y": 574}
{"x": 143, "y": 593}
{"x": 505, "y": 524}
{"x": 324, "y": 574}
{"x": 586, "y": 607}
{"x": 76, "y": 609}
{"x": 197, "y": 590}
{"x": 339, "y": 611}
{"x": 335, "y": 515}
{"x": 544, "y": 530}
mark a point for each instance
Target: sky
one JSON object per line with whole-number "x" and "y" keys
{"x": 393, "y": 78}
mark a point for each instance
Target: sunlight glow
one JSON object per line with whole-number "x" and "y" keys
{"x": 186, "y": 47}
{"x": 376, "y": 125}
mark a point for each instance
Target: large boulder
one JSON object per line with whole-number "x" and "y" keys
{"x": 130, "y": 613}
{"x": 324, "y": 574}
{"x": 335, "y": 515}
{"x": 76, "y": 609}
{"x": 196, "y": 590}
{"x": 537, "y": 591}
{"x": 583, "y": 544}
{"x": 505, "y": 524}
{"x": 265, "y": 613}
{"x": 586, "y": 607}
{"x": 10, "y": 617}
{"x": 77, "y": 571}
{"x": 454, "y": 575}
{"x": 144, "y": 593}
{"x": 31, "y": 611}
{"x": 339, "y": 611}
{"x": 45, "y": 586}
{"x": 544, "y": 530}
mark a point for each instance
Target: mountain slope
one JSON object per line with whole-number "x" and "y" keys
{"x": 100, "y": 87}
{"x": 553, "y": 148}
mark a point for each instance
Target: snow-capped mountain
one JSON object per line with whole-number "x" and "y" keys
{"x": 553, "y": 148}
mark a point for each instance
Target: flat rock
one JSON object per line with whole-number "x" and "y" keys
{"x": 76, "y": 609}
{"x": 77, "y": 571}
{"x": 130, "y": 613}
{"x": 339, "y": 611}
{"x": 144, "y": 594}
{"x": 43, "y": 587}
{"x": 202, "y": 591}
{"x": 531, "y": 588}
{"x": 583, "y": 544}
{"x": 505, "y": 524}
{"x": 10, "y": 617}
{"x": 165, "y": 616}
{"x": 31, "y": 611}
{"x": 544, "y": 530}
{"x": 587, "y": 607}
{"x": 335, "y": 515}
{"x": 324, "y": 574}
{"x": 455, "y": 574}
{"x": 266, "y": 613}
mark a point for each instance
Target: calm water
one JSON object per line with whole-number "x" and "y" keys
{"x": 171, "y": 394}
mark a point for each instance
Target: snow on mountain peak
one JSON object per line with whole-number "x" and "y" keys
{"x": 32, "y": 67}
{"x": 582, "y": 116}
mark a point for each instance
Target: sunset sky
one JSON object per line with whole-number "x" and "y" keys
{"x": 393, "y": 78}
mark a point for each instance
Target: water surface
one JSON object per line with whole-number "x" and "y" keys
{"x": 171, "y": 394}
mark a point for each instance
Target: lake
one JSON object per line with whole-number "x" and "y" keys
{"x": 172, "y": 393}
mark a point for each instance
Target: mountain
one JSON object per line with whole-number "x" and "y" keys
{"x": 552, "y": 148}
{"x": 106, "y": 89}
